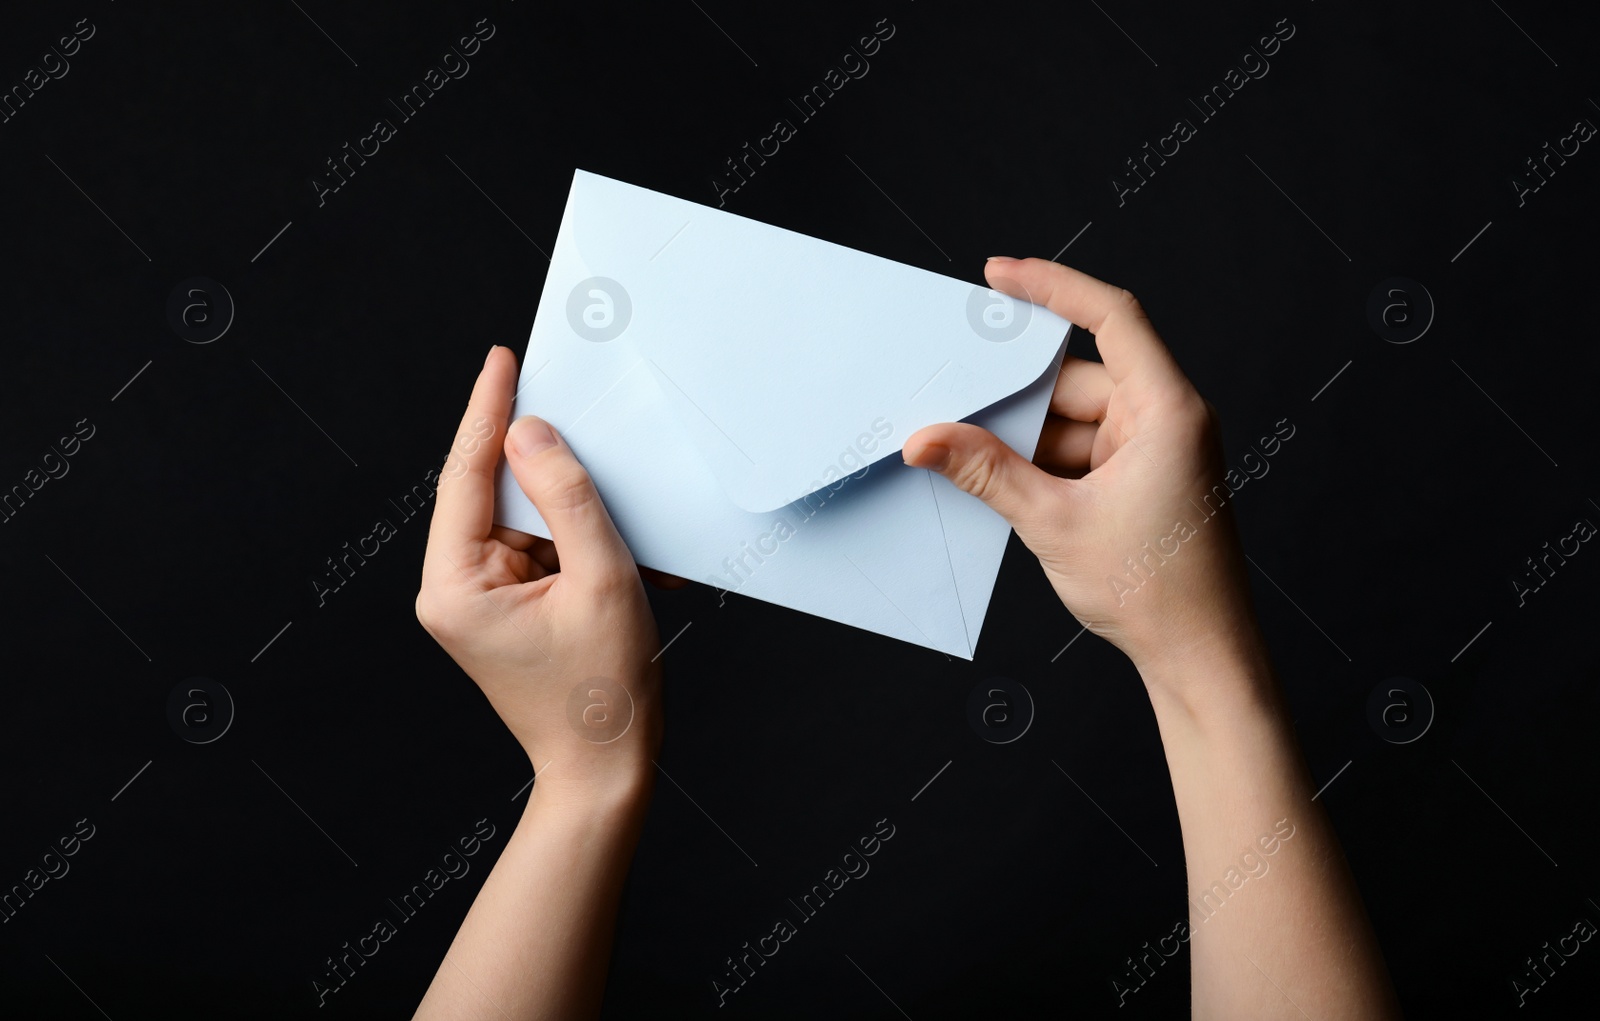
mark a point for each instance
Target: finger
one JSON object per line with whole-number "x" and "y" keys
{"x": 1128, "y": 344}
{"x": 591, "y": 550}
{"x": 464, "y": 510}
{"x": 519, "y": 565}
{"x": 980, "y": 464}
{"x": 519, "y": 541}
{"x": 1083, "y": 390}
{"x": 1065, "y": 443}
{"x": 662, "y": 580}
{"x": 1066, "y": 473}
{"x": 545, "y": 555}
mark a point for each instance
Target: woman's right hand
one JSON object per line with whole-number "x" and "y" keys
{"x": 558, "y": 635}
{"x": 1126, "y": 521}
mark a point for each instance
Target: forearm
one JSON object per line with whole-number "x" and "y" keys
{"x": 1277, "y": 925}
{"x": 537, "y": 939}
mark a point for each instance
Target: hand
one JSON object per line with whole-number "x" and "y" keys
{"x": 1132, "y": 526}
{"x": 1126, "y": 522}
{"x": 561, "y": 648}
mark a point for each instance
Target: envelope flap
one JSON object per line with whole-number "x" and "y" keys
{"x": 790, "y": 362}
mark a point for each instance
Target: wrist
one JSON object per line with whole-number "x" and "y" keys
{"x": 1211, "y": 677}
{"x": 614, "y": 794}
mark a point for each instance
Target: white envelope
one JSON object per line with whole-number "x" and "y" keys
{"x": 740, "y": 394}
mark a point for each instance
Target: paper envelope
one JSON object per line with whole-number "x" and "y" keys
{"x": 740, "y": 394}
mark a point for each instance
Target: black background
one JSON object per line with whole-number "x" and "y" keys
{"x": 218, "y": 481}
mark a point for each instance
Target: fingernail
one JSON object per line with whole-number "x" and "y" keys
{"x": 490, "y": 354}
{"x": 1001, "y": 258}
{"x": 530, "y": 435}
{"x": 931, "y": 456}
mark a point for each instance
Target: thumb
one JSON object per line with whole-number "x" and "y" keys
{"x": 591, "y": 551}
{"x": 980, "y": 464}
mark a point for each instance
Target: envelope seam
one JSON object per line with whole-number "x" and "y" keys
{"x": 891, "y": 602}
{"x": 954, "y": 584}
{"x": 711, "y": 421}
{"x": 570, "y": 426}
